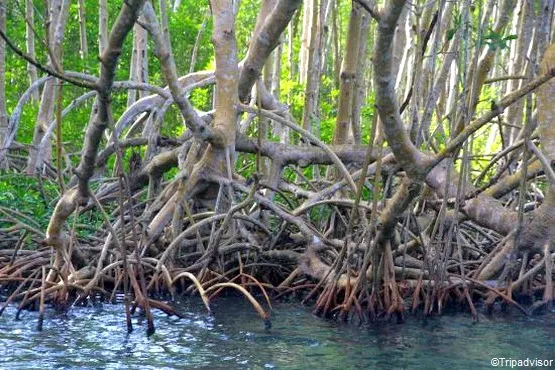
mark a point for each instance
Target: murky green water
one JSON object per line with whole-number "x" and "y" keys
{"x": 96, "y": 338}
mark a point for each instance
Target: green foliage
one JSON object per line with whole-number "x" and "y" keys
{"x": 246, "y": 165}
{"x": 244, "y": 25}
{"x": 173, "y": 123}
{"x": 294, "y": 91}
{"x": 202, "y": 98}
{"x": 184, "y": 26}
{"x": 368, "y": 113}
{"x": 439, "y": 136}
{"x": 457, "y": 23}
{"x": 36, "y": 200}
{"x": 21, "y": 193}
{"x": 496, "y": 40}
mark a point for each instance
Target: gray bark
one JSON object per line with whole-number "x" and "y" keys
{"x": 83, "y": 30}
{"x": 30, "y": 44}
{"x": 3, "y": 111}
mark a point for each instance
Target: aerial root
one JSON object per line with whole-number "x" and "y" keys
{"x": 267, "y": 261}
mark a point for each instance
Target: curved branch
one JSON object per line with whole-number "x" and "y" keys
{"x": 309, "y": 136}
{"x": 264, "y": 41}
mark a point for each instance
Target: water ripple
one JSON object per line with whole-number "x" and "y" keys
{"x": 96, "y": 338}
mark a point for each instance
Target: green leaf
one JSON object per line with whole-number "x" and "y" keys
{"x": 451, "y": 33}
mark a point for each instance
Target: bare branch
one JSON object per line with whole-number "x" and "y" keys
{"x": 164, "y": 54}
{"x": 46, "y": 69}
{"x": 264, "y": 42}
{"x": 369, "y": 6}
{"x": 496, "y": 111}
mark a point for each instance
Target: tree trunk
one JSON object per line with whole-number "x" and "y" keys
{"x": 138, "y": 70}
{"x": 30, "y": 44}
{"x": 59, "y": 12}
{"x": 102, "y": 25}
{"x": 176, "y": 5}
{"x": 265, "y": 39}
{"x": 359, "y": 88}
{"x": 517, "y": 67}
{"x": 280, "y": 131}
{"x": 197, "y": 42}
{"x": 310, "y": 6}
{"x": 336, "y": 37}
{"x": 541, "y": 230}
{"x": 343, "y": 133}
{"x": 227, "y": 81}
{"x": 478, "y": 75}
{"x": 310, "y": 114}
{"x": 83, "y": 30}
{"x": 3, "y": 111}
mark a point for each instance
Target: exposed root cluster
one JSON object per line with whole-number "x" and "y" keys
{"x": 339, "y": 254}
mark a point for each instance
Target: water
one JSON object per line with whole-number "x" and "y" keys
{"x": 235, "y": 338}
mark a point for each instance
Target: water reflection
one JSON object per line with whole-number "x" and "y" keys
{"x": 96, "y": 338}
